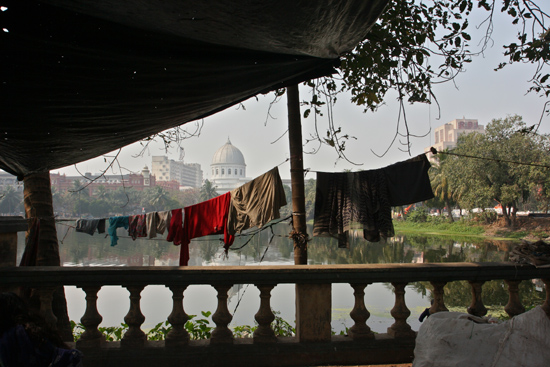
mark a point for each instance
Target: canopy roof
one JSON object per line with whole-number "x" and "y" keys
{"x": 81, "y": 78}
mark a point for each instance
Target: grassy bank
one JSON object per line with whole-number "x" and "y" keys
{"x": 527, "y": 228}
{"x": 462, "y": 227}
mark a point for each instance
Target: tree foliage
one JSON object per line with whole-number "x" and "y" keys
{"x": 208, "y": 191}
{"x": 11, "y": 200}
{"x": 415, "y": 45}
{"x": 510, "y": 165}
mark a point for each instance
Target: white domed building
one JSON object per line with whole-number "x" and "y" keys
{"x": 228, "y": 168}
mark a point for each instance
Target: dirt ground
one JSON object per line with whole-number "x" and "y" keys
{"x": 536, "y": 228}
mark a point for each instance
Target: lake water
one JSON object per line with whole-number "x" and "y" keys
{"x": 265, "y": 248}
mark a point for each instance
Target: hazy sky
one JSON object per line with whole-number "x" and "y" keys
{"x": 478, "y": 93}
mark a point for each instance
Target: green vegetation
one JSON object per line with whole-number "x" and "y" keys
{"x": 198, "y": 329}
{"x": 508, "y": 170}
{"x": 438, "y": 226}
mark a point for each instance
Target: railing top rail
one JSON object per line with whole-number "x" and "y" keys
{"x": 365, "y": 273}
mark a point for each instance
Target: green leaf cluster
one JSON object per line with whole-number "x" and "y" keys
{"x": 505, "y": 166}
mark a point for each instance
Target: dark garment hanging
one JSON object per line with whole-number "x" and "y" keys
{"x": 352, "y": 200}
{"x": 408, "y": 181}
{"x": 89, "y": 226}
{"x": 256, "y": 203}
{"x": 363, "y": 200}
{"x": 157, "y": 222}
{"x": 137, "y": 226}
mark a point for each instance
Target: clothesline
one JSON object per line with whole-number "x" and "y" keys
{"x": 246, "y": 234}
{"x": 435, "y": 151}
{"x": 253, "y": 204}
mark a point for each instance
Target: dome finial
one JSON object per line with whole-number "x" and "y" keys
{"x": 228, "y": 141}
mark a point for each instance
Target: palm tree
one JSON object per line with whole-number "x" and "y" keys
{"x": 101, "y": 192}
{"x": 10, "y": 199}
{"x": 208, "y": 191}
{"x": 441, "y": 184}
{"x": 159, "y": 199}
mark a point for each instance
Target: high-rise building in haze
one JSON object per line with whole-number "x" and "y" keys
{"x": 187, "y": 174}
{"x": 446, "y": 136}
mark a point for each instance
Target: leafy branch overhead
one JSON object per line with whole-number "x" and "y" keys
{"x": 411, "y": 37}
{"x": 417, "y": 44}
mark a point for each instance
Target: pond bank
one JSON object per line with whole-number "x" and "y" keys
{"x": 526, "y": 228}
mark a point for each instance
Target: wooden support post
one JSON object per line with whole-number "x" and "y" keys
{"x": 299, "y": 232}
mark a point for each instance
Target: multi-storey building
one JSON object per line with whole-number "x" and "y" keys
{"x": 187, "y": 174}
{"x": 446, "y": 136}
{"x": 138, "y": 181}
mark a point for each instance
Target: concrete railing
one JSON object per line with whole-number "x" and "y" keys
{"x": 313, "y": 343}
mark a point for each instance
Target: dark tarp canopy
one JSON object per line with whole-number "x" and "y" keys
{"x": 81, "y": 78}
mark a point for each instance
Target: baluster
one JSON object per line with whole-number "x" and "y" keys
{"x": 360, "y": 314}
{"x": 514, "y": 306}
{"x": 134, "y": 337}
{"x": 546, "y": 305}
{"x": 264, "y": 333}
{"x": 222, "y": 318}
{"x": 178, "y": 336}
{"x": 400, "y": 312}
{"x": 91, "y": 337}
{"x": 439, "y": 303}
{"x": 46, "y": 297}
{"x": 476, "y": 307}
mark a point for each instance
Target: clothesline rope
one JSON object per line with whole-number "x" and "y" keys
{"x": 435, "y": 151}
{"x": 261, "y": 259}
{"x": 251, "y": 233}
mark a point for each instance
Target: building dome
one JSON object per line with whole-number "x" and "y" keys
{"x": 228, "y": 154}
{"x": 228, "y": 168}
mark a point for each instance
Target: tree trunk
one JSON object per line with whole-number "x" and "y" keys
{"x": 38, "y": 204}
{"x": 449, "y": 210}
{"x": 506, "y": 214}
{"x": 299, "y": 232}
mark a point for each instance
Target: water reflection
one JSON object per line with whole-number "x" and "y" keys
{"x": 79, "y": 249}
{"x": 275, "y": 248}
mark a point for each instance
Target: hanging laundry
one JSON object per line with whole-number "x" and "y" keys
{"x": 408, "y": 181}
{"x": 175, "y": 231}
{"x": 256, "y": 202}
{"x": 137, "y": 226}
{"x": 203, "y": 219}
{"x": 157, "y": 222}
{"x": 352, "y": 200}
{"x": 364, "y": 199}
{"x": 114, "y": 223}
{"x": 89, "y": 226}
